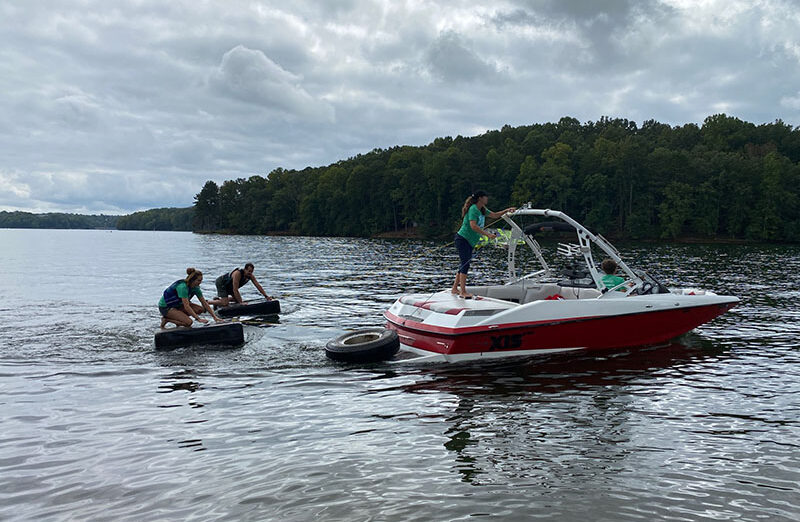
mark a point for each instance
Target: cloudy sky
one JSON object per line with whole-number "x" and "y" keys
{"x": 112, "y": 106}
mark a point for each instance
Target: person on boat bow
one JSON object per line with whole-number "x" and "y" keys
{"x": 230, "y": 283}
{"x": 473, "y": 216}
{"x": 174, "y": 305}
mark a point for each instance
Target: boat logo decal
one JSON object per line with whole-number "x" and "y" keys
{"x": 506, "y": 342}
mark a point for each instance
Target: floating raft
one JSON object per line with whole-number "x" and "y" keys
{"x": 230, "y": 334}
{"x": 257, "y": 307}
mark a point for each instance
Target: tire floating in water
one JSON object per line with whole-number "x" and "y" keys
{"x": 257, "y": 307}
{"x": 225, "y": 334}
{"x": 365, "y": 345}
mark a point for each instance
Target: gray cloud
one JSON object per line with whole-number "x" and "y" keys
{"x": 450, "y": 59}
{"x": 124, "y": 106}
{"x": 251, "y": 77}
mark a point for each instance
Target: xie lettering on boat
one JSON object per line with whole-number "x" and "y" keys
{"x": 506, "y": 342}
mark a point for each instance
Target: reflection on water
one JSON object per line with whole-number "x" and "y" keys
{"x": 97, "y": 425}
{"x": 558, "y": 417}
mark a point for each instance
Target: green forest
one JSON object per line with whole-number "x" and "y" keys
{"x": 726, "y": 179}
{"x": 154, "y": 219}
{"x": 158, "y": 219}
{"x": 723, "y": 180}
{"x": 55, "y": 220}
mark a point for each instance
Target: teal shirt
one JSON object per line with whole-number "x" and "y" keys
{"x": 611, "y": 280}
{"x": 473, "y": 214}
{"x": 183, "y": 291}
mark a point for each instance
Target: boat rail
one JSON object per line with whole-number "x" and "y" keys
{"x": 584, "y": 249}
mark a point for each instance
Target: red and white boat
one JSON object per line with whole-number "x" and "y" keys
{"x": 542, "y": 312}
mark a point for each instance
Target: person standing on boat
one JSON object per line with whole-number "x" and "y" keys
{"x": 473, "y": 215}
{"x": 175, "y": 306}
{"x": 230, "y": 283}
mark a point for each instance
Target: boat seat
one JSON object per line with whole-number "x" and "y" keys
{"x": 539, "y": 292}
{"x": 574, "y": 292}
{"x": 526, "y": 294}
{"x": 513, "y": 293}
{"x": 507, "y": 293}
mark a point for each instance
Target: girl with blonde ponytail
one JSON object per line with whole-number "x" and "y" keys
{"x": 175, "y": 306}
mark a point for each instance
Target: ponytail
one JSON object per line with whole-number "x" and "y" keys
{"x": 192, "y": 274}
{"x": 471, "y": 200}
{"x": 467, "y": 203}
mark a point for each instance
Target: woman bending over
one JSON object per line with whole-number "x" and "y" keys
{"x": 175, "y": 306}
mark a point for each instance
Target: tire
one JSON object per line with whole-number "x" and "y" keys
{"x": 365, "y": 345}
{"x": 258, "y": 307}
{"x": 230, "y": 334}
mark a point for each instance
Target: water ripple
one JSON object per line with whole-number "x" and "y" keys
{"x": 99, "y": 426}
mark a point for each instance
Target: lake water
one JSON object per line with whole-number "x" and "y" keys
{"x": 97, "y": 425}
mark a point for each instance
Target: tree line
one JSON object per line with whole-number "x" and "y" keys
{"x": 158, "y": 219}
{"x": 55, "y": 220}
{"x": 153, "y": 219}
{"x": 724, "y": 179}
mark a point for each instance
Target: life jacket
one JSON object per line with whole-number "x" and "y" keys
{"x": 243, "y": 280}
{"x": 171, "y": 298}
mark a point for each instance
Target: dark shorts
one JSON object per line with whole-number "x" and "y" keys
{"x": 163, "y": 310}
{"x": 221, "y": 283}
{"x": 464, "y": 253}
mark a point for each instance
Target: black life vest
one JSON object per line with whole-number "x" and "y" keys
{"x": 243, "y": 280}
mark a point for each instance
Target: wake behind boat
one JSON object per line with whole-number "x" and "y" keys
{"x": 544, "y": 312}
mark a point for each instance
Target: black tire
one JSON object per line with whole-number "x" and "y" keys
{"x": 365, "y": 345}
{"x": 258, "y": 307}
{"x": 230, "y": 334}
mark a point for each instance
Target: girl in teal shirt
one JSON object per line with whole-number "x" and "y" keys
{"x": 174, "y": 305}
{"x": 473, "y": 215}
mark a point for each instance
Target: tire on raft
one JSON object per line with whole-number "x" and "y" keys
{"x": 365, "y": 345}
{"x": 227, "y": 334}
{"x": 257, "y": 307}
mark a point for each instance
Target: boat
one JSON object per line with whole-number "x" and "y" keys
{"x": 254, "y": 307}
{"x": 551, "y": 310}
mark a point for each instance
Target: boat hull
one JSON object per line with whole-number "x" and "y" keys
{"x": 585, "y": 333}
